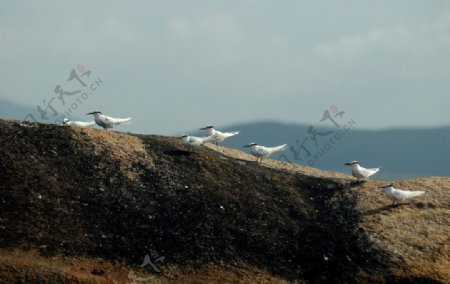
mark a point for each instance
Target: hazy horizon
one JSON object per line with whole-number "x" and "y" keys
{"x": 195, "y": 129}
{"x": 175, "y": 65}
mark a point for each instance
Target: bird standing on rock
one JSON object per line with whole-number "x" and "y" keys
{"x": 194, "y": 142}
{"x": 398, "y": 195}
{"x": 218, "y": 136}
{"x": 361, "y": 172}
{"x": 261, "y": 152}
{"x": 107, "y": 121}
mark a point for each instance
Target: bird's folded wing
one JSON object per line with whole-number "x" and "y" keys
{"x": 264, "y": 151}
{"x": 278, "y": 148}
{"x": 229, "y": 134}
{"x": 119, "y": 120}
{"x": 411, "y": 194}
{"x": 403, "y": 194}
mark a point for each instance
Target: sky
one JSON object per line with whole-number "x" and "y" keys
{"x": 175, "y": 66}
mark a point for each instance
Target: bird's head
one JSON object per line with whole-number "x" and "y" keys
{"x": 94, "y": 112}
{"x": 65, "y": 120}
{"x": 351, "y": 163}
{"x": 207, "y": 127}
{"x": 251, "y": 144}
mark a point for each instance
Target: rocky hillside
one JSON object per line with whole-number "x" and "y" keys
{"x": 87, "y": 205}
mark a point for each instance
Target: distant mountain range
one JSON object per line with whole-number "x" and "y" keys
{"x": 402, "y": 153}
{"x": 12, "y": 110}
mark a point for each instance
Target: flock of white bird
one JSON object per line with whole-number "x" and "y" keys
{"x": 395, "y": 194}
{"x": 260, "y": 152}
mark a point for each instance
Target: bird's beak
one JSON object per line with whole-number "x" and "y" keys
{"x": 348, "y": 164}
{"x": 204, "y": 128}
{"x": 89, "y": 113}
{"x": 247, "y": 146}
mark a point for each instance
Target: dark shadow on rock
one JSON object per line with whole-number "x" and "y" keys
{"x": 428, "y": 205}
{"x": 241, "y": 161}
{"x": 357, "y": 184}
{"x": 334, "y": 247}
{"x": 178, "y": 153}
{"x": 419, "y": 205}
{"x": 379, "y": 210}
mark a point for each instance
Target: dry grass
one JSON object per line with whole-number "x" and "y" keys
{"x": 228, "y": 274}
{"x": 127, "y": 149}
{"x": 416, "y": 233}
{"x": 32, "y": 267}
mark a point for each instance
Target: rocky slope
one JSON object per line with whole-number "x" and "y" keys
{"x": 87, "y": 205}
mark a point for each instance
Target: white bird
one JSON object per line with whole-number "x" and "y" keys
{"x": 107, "y": 121}
{"x": 361, "y": 172}
{"x": 398, "y": 195}
{"x": 261, "y": 152}
{"x": 218, "y": 136}
{"x": 195, "y": 142}
{"x": 66, "y": 121}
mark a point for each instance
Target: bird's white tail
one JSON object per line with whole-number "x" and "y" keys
{"x": 279, "y": 148}
{"x": 412, "y": 194}
{"x": 122, "y": 120}
{"x": 230, "y": 134}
